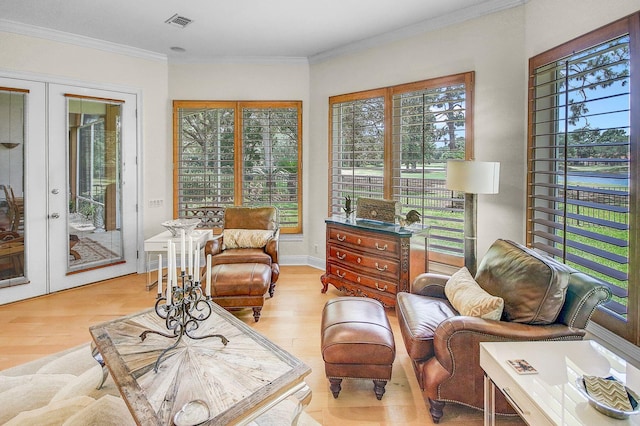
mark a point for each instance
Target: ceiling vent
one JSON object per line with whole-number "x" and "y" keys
{"x": 178, "y": 21}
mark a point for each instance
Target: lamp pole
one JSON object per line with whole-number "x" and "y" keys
{"x": 470, "y": 239}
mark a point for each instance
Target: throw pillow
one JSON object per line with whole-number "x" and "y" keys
{"x": 468, "y": 298}
{"x": 246, "y": 238}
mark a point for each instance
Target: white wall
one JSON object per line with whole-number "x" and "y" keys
{"x": 263, "y": 81}
{"x": 47, "y": 60}
{"x": 497, "y": 47}
{"x": 479, "y": 45}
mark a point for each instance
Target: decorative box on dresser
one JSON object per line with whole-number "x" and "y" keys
{"x": 366, "y": 258}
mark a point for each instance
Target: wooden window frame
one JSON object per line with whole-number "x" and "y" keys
{"x": 390, "y": 149}
{"x": 629, "y": 329}
{"x": 238, "y": 107}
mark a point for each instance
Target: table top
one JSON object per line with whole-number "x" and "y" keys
{"x": 553, "y": 389}
{"x": 238, "y": 381}
{"x": 372, "y": 225}
{"x": 159, "y": 241}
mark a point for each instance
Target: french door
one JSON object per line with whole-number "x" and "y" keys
{"x": 68, "y": 170}
{"x": 92, "y": 199}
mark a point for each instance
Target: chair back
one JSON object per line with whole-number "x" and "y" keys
{"x": 251, "y": 218}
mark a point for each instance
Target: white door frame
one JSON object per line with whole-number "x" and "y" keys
{"x": 58, "y": 155}
{"x": 40, "y": 280}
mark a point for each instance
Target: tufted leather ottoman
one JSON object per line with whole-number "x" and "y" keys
{"x": 357, "y": 342}
{"x": 240, "y": 285}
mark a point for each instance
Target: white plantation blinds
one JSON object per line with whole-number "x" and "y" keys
{"x": 238, "y": 154}
{"x": 270, "y": 161}
{"x": 429, "y": 127}
{"x": 357, "y": 151}
{"x": 393, "y": 143}
{"x": 582, "y": 164}
{"x": 205, "y": 158}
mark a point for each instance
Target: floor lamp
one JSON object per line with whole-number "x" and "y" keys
{"x": 472, "y": 177}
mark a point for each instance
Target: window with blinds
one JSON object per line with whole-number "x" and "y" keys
{"x": 430, "y": 127}
{"x": 357, "y": 150}
{"x": 393, "y": 143}
{"x": 580, "y": 162}
{"x": 270, "y": 160}
{"x": 238, "y": 153}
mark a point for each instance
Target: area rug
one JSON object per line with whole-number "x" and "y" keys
{"x": 61, "y": 390}
{"x": 91, "y": 251}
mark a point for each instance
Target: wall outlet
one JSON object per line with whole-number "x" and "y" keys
{"x": 154, "y": 204}
{"x": 315, "y": 248}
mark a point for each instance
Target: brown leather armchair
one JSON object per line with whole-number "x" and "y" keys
{"x": 248, "y": 218}
{"x": 543, "y": 300}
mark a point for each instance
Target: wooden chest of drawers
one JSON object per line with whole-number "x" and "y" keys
{"x": 367, "y": 259}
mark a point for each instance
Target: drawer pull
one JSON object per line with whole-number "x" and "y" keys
{"x": 358, "y": 279}
{"x": 359, "y": 260}
{"x": 381, "y": 269}
{"x": 338, "y": 274}
{"x": 381, "y": 289}
{"x": 515, "y": 405}
{"x": 359, "y": 241}
{"x": 341, "y": 239}
{"x": 381, "y": 248}
{"x": 340, "y": 257}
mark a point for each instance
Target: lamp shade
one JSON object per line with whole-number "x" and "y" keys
{"x": 473, "y": 177}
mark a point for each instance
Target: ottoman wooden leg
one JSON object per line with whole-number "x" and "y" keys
{"x": 335, "y": 386}
{"x": 378, "y": 388}
{"x": 272, "y": 289}
{"x": 256, "y": 313}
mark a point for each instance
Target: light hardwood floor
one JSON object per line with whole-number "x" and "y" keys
{"x": 45, "y": 325}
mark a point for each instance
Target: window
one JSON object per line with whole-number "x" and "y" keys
{"x": 393, "y": 143}
{"x": 581, "y": 161}
{"x": 239, "y": 154}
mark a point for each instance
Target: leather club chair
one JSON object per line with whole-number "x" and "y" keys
{"x": 243, "y": 220}
{"x": 543, "y": 300}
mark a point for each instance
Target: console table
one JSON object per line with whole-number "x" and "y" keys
{"x": 367, "y": 258}
{"x": 239, "y": 382}
{"x": 158, "y": 243}
{"x": 551, "y": 396}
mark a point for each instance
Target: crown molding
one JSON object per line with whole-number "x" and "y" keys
{"x": 482, "y": 9}
{"x": 257, "y": 60}
{"x": 92, "y": 43}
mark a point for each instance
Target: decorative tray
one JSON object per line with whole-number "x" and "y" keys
{"x": 608, "y": 396}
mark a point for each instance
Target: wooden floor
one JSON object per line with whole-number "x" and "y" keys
{"x": 45, "y": 325}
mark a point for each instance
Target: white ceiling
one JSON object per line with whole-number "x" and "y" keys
{"x": 256, "y": 29}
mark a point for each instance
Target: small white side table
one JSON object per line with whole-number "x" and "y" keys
{"x": 158, "y": 244}
{"x": 551, "y": 396}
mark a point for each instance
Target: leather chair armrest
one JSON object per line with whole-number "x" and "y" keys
{"x": 466, "y": 332}
{"x": 430, "y": 284}
{"x": 213, "y": 246}
{"x": 271, "y": 248}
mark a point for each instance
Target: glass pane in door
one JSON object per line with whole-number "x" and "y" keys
{"x": 12, "y": 207}
{"x": 94, "y": 183}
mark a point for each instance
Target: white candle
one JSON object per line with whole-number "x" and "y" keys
{"x": 182, "y": 251}
{"x": 191, "y": 256}
{"x": 208, "y": 288}
{"x": 171, "y": 276}
{"x": 159, "y": 274}
{"x": 196, "y": 263}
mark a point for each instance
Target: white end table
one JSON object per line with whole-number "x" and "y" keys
{"x": 551, "y": 396}
{"x": 158, "y": 244}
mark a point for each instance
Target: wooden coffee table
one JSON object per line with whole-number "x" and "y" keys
{"x": 239, "y": 381}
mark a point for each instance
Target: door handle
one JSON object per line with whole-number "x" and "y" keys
{"x": 54, "y": 215}
{"x": 55, "y": 191}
